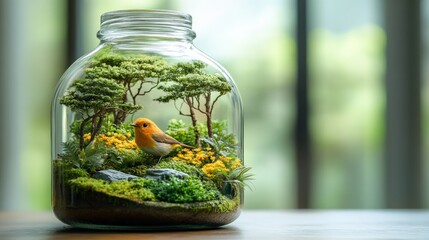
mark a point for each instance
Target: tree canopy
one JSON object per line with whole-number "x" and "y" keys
{"x": 139, "y": 74}
{"x": 189, "y": 83}
{"x": 93, "y": 99}
{"x": 113, "y": 82}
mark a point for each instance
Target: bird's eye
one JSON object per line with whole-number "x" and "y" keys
{"x": 144, "y": 124}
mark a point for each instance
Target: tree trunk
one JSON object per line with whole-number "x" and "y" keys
{"x": 209, "y": 126}
{"x": 121, "y": 114}
{"x": 209, "y": 115}
{"x": 194, "y": 122}
{"x": 97, "y": 127}
{"x": 82, "y": 132}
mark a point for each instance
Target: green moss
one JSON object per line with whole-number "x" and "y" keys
{"x": 224, "y": 205}
{"x": 221, "y": 205}
{"x": 74, "y": 173}
{"x": 122, "y": 159}
{"x": 137, "y": 170}
{"x": 180, "y": 166}
{"x": 60, "y": 165}
{"x": 188, "y": 190}
{"x": 133, "y": 190}
{"x": 135, "y": 193}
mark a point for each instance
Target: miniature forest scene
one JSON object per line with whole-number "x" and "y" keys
{"x": 116, "y": 160}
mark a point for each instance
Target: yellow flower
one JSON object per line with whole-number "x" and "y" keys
{"x": 236, "y": 164}
{"x": 208, "y": 170}
{"x": 211, "y": 169}
{"x": 207, "y": 160}
{"x": 116, "y": 140}
{"x": 225, "y": 159}
{"x": 219, "y": 164}
{"x": 87, "y": 137}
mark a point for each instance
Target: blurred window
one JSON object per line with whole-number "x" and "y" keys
{"x": 255, "y": 41}
{"x": 346, "y": 88}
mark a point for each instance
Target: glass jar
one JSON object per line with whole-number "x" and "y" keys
{"x": 147, "y": 131}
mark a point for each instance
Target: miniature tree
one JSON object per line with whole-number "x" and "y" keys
{"x": 94, "y": 99}
{"x": 187, "y": 82}
{"x": 133, "y": 72}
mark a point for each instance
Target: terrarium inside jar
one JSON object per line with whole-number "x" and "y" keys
{"x": 147, "y": 130}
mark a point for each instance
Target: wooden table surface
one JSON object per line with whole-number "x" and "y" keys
{"x": 292, "y": 224}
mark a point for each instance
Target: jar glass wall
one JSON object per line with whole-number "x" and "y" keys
{"x": 147, "y": 131}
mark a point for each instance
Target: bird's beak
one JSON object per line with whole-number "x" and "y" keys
{"x": 134, "y": 125}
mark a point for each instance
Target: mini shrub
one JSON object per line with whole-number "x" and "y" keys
{"x": 74, "y": 173}
{"x": 188, "y": 190}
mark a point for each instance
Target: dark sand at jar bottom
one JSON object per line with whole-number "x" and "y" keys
{"x": 143, "y": 218}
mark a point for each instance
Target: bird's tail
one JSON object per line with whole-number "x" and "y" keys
{"x": 186, "y": 146}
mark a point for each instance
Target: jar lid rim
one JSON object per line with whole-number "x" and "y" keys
{"x": 145, "y": 13}
{"x": 151, "y": 23}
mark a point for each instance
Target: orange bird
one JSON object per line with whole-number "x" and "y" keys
{"x": 151, "y": 139}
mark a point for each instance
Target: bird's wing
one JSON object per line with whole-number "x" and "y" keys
{"x": 164, "y": 138}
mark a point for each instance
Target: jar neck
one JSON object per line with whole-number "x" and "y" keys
{"x": 146, "y": 27}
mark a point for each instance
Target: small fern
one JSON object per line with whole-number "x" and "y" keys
{"x": 91, "y": 158}
{"x": 239, "y": 177}
{"x": 71, "y": 153}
